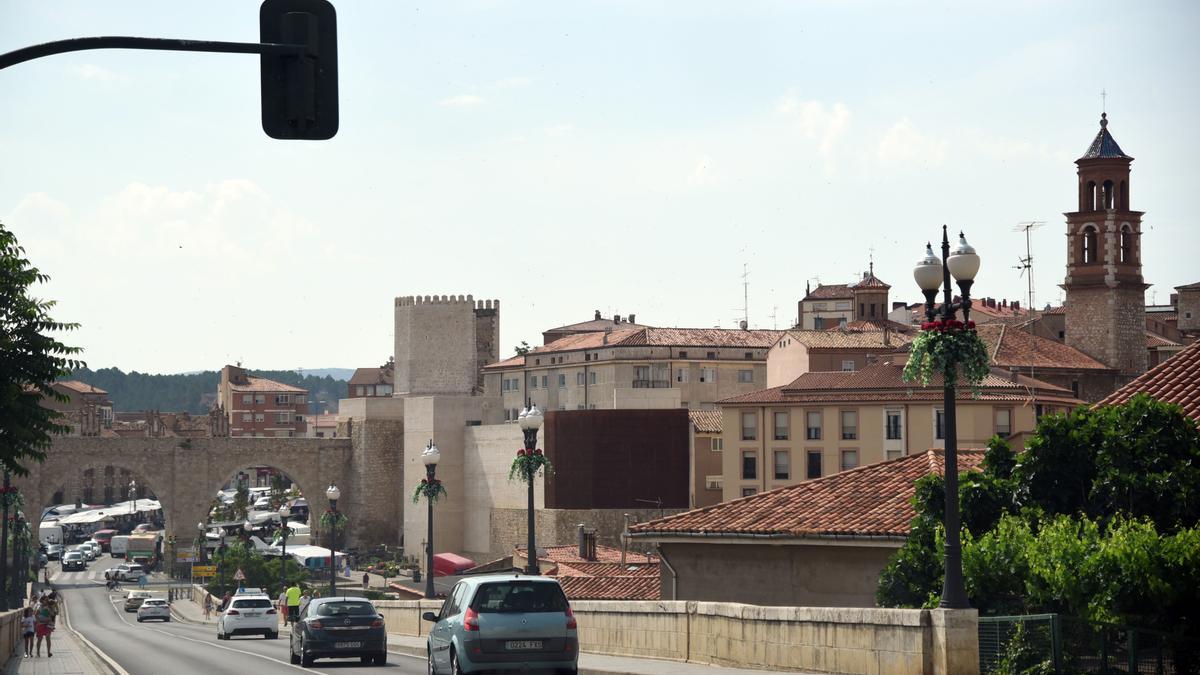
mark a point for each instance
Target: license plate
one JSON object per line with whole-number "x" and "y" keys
{"x": 347, "y": 645}
{"x": 253, "y": 613}
{"x": 523, "y": 644}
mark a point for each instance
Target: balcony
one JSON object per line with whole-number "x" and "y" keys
{"x": 651, "y": 384}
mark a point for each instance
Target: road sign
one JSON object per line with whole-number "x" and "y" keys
{"x": 186, "y": 556}
{"x": 239, "y": 575}
{"x": 204, "y": 570}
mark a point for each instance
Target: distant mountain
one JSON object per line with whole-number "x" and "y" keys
{"x": 196, "y": 392}
{"x": 336, "y": 373}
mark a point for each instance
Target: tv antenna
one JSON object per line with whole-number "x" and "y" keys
{"x": 1026, "y": 263}
{"x": 745, "y": 308}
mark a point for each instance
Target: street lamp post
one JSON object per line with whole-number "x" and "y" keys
{"x": 430, "y": 458}
{"x": 530, "y": 421}
{"x": 4, "y": 545}
{"x": 333, "y": 493}
{"x": 931, "y": 275}
{"x": 202, "y": 543}
{"x": 285, "y": 512}
{"x": 132, "y": 498}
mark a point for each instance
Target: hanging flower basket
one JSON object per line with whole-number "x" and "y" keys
{"x": 432, "y": 490}
{"x": 948, "y": 348}
{"x": 528, "y": 463}
{"x": 331, "y": 519}
{"x": 11, "y": 498}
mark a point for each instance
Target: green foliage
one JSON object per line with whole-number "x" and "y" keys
{"x": 1022, "y": 657}
{"x": 195, "y": 392}
{"x": 261, "y": 572}
{"x": 30, "y": 361}
{"x": 947, "y": 351}
{"x": 241, "y": 502}
{"x": 522, "y": 349}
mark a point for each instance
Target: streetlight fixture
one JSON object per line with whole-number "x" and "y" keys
{"x": 530, "y": 421}
{"x": 285, "y": 512}
{"x": 132, "y": 497}
{"x": 202, "y": 543}
{"x": 430, "y": 457}
{"x": 333, "y": 494}
{"x": 931, "y": 274}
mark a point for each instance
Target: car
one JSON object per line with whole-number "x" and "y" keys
{"x": 144, "y": 527}
{"x": 74, "y": 560}
{"x": 54, "y": 551}
{"x": 503, "y": 622}
{"x": 153, "y": 608}
{"x": 135, "y": 599}
{"x": 338, "y": 628}
{"x": 249, "y": 614}
{"x": 128, "y": 572}
{"x": 88, "y": 550}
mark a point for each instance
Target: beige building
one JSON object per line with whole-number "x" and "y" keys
{"x": 834, "y": 305}
{"x": 826, "y": 422}
{"x": 631, "y": 368}
{"x": 707, "y": 468}
{"x": 802, "y": 351}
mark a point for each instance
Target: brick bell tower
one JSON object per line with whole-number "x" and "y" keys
{"x": 1105, "y": 292}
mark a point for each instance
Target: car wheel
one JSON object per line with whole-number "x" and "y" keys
{"x": 365, "y": 659}
{"x": 273, "y": 635}
{"x": 455, "y": 666}
{"x": 293, "y": 657}
{"x": 140, "y": 619}
{"x": 430, "y": 669}
{"x": 381, "y": 659}
{"x": 306, "y": 660}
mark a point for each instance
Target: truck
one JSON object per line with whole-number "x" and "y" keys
{"x": 142, "y": 549}
{"x": 118, "y": 545}
{"x": 50, "y": 532}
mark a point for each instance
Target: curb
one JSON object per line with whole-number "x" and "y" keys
{"x": 93, "y": 652}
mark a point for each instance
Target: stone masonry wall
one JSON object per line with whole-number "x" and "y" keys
{"x": 508, "y": 527}
{"x": 1108, "y": 324}
{"x": 435, "y": 345}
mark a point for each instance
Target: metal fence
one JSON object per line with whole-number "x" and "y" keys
{"x": 1050, "y": 643}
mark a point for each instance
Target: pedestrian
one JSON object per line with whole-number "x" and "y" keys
{"x": 281, "y": 603}
{"x": 142, "y": 581}
{"x": 305, "y": 599}
{"x": 43, "y": 626}
{"x": 208, "y": 606}
{"x": 366, "y": 580}
{"x": 225, "y": 601}
{"x": 293, "y": 602}
{"x": 28, "y": 622}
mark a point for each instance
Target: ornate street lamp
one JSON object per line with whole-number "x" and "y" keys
{"x": 931, "y": 274}
{"x": 333, "y": 494}
{"x": 530, "y": 421}
{"x": 202, "y": 543}
{"x": 285, "y": 512}
{"x": 132, "y": 497}
{"x": 430, "y": 457}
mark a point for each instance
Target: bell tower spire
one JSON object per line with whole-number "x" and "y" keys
{"x": 1105, "y": 291}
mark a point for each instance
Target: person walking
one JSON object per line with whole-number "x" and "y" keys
{"x": 293, "y": 602}
{"x": 44, "y": 626}
{"x": 142, "y": 581}
{"x": 208, "y": 606}
{"x": 28, "y": 623}
{"x": 304, "y": 600}
{"x": 366, "y": 580}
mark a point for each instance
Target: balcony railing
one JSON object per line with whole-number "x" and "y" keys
{"x": 651, "y": 384}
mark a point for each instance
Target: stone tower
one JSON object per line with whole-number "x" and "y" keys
{"x": 1105, "y": 292}
{"x": 442, "y": 342}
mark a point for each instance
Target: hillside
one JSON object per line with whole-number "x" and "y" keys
{"x": 195, "y": 392}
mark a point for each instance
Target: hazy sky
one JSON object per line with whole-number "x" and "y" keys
{"x": 567, "y": 157}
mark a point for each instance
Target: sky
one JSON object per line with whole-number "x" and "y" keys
{"x": 630, "y": 157}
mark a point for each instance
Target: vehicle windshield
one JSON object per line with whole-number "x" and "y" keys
{"x": 252, "y": 603}
{"x": 154, "y": 603}
{"x": 348, "y": 608}
{"x": 518, "y": 596}
{"x": 74, "y": 554}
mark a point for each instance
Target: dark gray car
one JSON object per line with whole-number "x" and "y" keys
{"x": 335, "y": 628}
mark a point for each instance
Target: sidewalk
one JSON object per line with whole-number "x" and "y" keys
{"x": 592, "y": 664}
{"x": 71, "y": 657}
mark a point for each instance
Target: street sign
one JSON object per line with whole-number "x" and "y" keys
{"x": 185, "y": 556}
{"x": 239, "y": 575}
{"x": 204, "y": 570}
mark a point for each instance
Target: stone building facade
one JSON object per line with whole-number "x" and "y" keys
{"x": 426, "y": 361}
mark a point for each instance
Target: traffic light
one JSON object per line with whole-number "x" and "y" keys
{"x": 299, "y": 91}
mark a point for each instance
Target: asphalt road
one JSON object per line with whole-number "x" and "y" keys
{"x": 155, "y": 648}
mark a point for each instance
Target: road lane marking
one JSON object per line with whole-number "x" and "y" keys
{"x": 108, "y": 660}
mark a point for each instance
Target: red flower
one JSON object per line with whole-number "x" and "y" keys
{"x": 971, "y": 325}
{"x": 424, "y": 481}
{"x": 538, "y": 451}
{"x": 521, "y": 452}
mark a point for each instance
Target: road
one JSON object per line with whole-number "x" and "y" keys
{"x": 155, "y": 648}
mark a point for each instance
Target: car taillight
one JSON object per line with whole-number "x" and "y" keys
{"x": 470, "y": 620}
{"x": 571, "y": 625}
{"x": 315, "y": 624}
{"x": 270, "y": 611}
{"x": 232, "y": 612}
{"x": 377, "y": 623}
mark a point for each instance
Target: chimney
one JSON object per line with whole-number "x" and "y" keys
{"x": 899, "y": 305}
{"x": 744, "y": 325}
{"x": 606, "y": 333}
{"x": 616, "y": 318}
{"x": 1174, "y": 299}
{"x": 597, "y": 315}
{"x": 1016, "y": 305}
{"x": 887, "y": 333}
{"x": 632, "y": 318}
{"x": 582, "y": 541}
{"x": 1012, "y": 374}
{"x": 1004, "y": 303}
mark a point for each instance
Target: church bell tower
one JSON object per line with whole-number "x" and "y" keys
{"x": 1105, "y": 292}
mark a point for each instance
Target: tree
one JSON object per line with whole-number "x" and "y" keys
{"x": 522, "y": 349}
{"x": 30, "y": 361}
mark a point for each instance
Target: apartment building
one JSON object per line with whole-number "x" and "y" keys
{"x": 801, "y": 351}
{"x": 707, "y": 470}
{"x": 631, "y": 368}
{"x": 834, "y": 305}
{"x": 257, "y": 406}
{"x": 826, "y": 422}
{"x": 372, "y": 382}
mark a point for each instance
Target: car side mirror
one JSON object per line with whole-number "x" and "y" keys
{"x": 430, "y": 616}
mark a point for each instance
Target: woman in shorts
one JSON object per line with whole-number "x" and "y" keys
{"x": 27, "y": 630}
{"x": 43, "y": 626}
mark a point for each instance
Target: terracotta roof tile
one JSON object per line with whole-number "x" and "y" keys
{"x": 830, "y": 292}
{"x": 372, "y": 376}
{"x": 1176, "y": 380}
{"x": 655, "y": 337}
{"x": 611, "y": 588}
{"x": 265, "y": 385}
{"x": 1010, "y": 347}
{"x": 1061, "y": 309}
{"x": 706, "y": 421}
{"x": 872, "y": 500}
{"x": 604, "y": 569}
{"x": 1189, "y": 287}
{"x": 870, "y": 281}
{"x": 843, "y": 338}
{"x": 569, "y": 553}
{"x": 593, "y": 325}
{"x": 875, "y": 325}
{"x": 1153, "y": 341}
{"x": 511, "y": 362}
{"x": 80, "y": 387}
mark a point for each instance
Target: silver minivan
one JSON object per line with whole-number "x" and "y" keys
{"x": 503, "y": 622}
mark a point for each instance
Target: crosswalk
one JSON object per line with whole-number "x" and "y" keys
{"x": 93, "y": 575}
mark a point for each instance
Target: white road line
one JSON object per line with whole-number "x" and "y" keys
{"x": 99, "y": 652}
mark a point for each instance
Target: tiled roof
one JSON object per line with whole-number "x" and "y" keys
{"x": 593, "y": 325}
{"x": 80, "y": 387}
{"x": 706, "y": 421}
{"x": 1011, "y": 347}
{"x": 869, "y": 501}
{"x": 869, "y": 280}
{"x": 1061, "y": 309}
{"x": 652, "y": 337}
{"x": 1189, "y": 287}
{"x": 1153, "y": 341}
{"x": 256, "y": 384}
{"x": 842, "y": 339}
{"x": 875, "y": 325}
{"x": 1176, "y": 380}
{"x": 883, "y": 381}
{"x": 372, "y": 376}
{"x": 1104, "y": 146}
{"x": 611, "y": 588}
{"x": 830, "y": 292}
{"x": 511, "y": 362}
{"x": 604, "y": 569}
{"x": 569, "y": 553}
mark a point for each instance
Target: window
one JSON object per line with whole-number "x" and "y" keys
{"x": 847, "y": 365}
{"x": 681, "y": 374}
{"x": 299, "y": 398}
{"x": 579, "y": 379}
{"x": 783, "y": 465}
{"x": 749, "y": 426}
{"x": 849, "y": 425}
{"x": 813, "y": 425}
{"x": 749, "y": 356}
{"x": 714, "y": 482}
{"x": 683, "y": 355}
{"x": 545, "y": 380}
{"x": 260, "y": 399}
{"x": 814, "y": 464}
{"x": 592, "y": 377}
{"x": 641, "y": 373}
{"x": 383, "y": 389}
{"x": 872, "y": 310}
{"x": 849, "y": 459}
{"x": 516, "y": 385}
{"x": 749, "y": 465}
{"x": 562, "y": 380}
{"x": 893, "y": 425}
{"x": 1126, "y": 244}
{"x": 717, "y": 445}
{"x": 259, "y": 417}
{"x": 1004, "y": 422}
{"x": 862, "y": 311}
{"x": 299, "y": 419}
{"x": 1075, "y": 388}
{"x": 708, "y": 374}
{"x": 895, "y": 454}
{"x": 503, "y": 386}
{"x": 939, "y": 424}
{"x": 537, "y": 362}
{"x": 283, "y": 417}
{"x": 247, "y": 398}
{"x": 818, "y": 305}
{"x": 282, "y": 399}
{"x": 749, "y": 492}
{"x": 507, "y": 413}
{"x": 712, "y": 355}
{"x": 1089, "y": 245}
{"x": 745, "y": 376}
{"x": 516, "y": 414}
{"x": 246, "y": 417}
{"x": 533, "y": 381}
{"x": 782, "y": 424}
{"x": 843, "y": 305}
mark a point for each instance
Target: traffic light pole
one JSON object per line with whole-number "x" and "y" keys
{"x": 159, "y": 44}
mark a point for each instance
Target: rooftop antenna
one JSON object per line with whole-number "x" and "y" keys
{"x": 1026, "y": 263}
{"x": 774, "y": 321}
{"x": 745, "y": 308}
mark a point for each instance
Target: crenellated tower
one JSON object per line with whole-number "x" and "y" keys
{"x": 442, "y": 342}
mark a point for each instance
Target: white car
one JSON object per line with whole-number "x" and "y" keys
{"x": 89, "y": 553}
{"x": 154, "y": 608}
{"x": 130, "y": 572}
{"x": 249, "y": 614}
